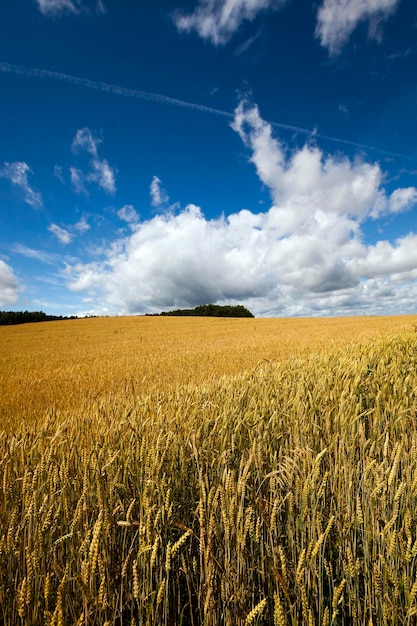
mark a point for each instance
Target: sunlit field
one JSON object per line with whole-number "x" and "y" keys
{"x": 204, "y": 471}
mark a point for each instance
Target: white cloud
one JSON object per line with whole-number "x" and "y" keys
{"x": 218, "y": 20}
{"x": 62, "y": 234}
{"x": 337, "y": 19}
{"x": 55, "y": 8}
{"x": 9, "y": 285}
{"x": 103, "y": 175}
{"x": 402, "y": 199}
{"x": 302, "y": 256}
{"x": 173, "y": 259}
{"x": 159, "y": 196}
{"x": 307, "y": 182}
{"x": 384, "y": 259}
{"x": 77, "y": 180}
{"x": 67, "y": 235}
{"x": 17, "y": 173}
{"x": 100, "y": 171}
{"x": 84, "y": 140}
{"x": 128, "y": 214}
{"x": 58, "y": 173}
{"x": 38, "y": 255}
{"x": 82, "y": 226}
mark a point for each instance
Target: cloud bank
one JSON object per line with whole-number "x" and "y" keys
{"x": 303, "y": 256}
{"x": 218, "y": 20}
{"x": 9, "y": 285}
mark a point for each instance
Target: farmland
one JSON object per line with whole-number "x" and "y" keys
{"x": 208, "y": 471}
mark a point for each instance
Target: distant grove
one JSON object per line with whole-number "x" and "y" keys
{"x": 213, "y": 310}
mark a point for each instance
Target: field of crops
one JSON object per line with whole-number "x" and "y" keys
{"x": 198, "y": 471}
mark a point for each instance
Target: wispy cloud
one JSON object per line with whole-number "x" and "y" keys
{"x": 343, "y": 108}
{"x": 9, "y": 285}
{"x": 62, "y": 234}
{"x": 337, "y": 19}
{"x": 39, "y": 255}
{"x": 305, "y": 254}
{"x": 218, "y": 20}
{"x": 84, "y": 140}
{"x": 159, "y": 196}
{"x": 128, "y": 214}
{"x": 100, "y": 171}
{"x": 81, "y": 226}
{"x": 103, "y": 175}
{"x": 247, "y": 43}
{"x": 53, "y": 8}
{"x": 17, "y": 174}
{"x": 56, "y": 8}
{"x": 162, "y": 99}
{"x": 67, "y": 235}
{"x": 77, "y": 178}
{"x": 58, "y": 173}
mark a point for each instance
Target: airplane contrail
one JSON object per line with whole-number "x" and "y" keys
{"x": 11, "y": 68}
{"x": 115, "y": 89}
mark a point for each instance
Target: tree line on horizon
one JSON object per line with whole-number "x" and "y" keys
{"x": 212, "y": 310}
{"x": 9, "y": 318}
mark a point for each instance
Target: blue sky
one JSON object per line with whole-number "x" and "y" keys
{"x": 165, "y": 154}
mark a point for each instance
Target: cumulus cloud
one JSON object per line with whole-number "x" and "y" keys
{"x": 159, "y": 196}
{"x": 384, "y": 259}
{"x": 17, "y": 173}
{"x": 9, "y": 285}
{"x": 304, "y": 255}
{"x": 55, "y": 8}
{"x": 218, "y": 20}
{"x": 185, "y": 254}
{"x": 308, "y": 183}
{"x": 99, "y": 171}
{"x": 402, "y": 199}
{"x": 337, "y": 19}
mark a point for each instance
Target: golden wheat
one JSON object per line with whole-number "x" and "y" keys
{"x": 168, "y": 471}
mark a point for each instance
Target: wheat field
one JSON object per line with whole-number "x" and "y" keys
{"x": 198, "y": 471}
